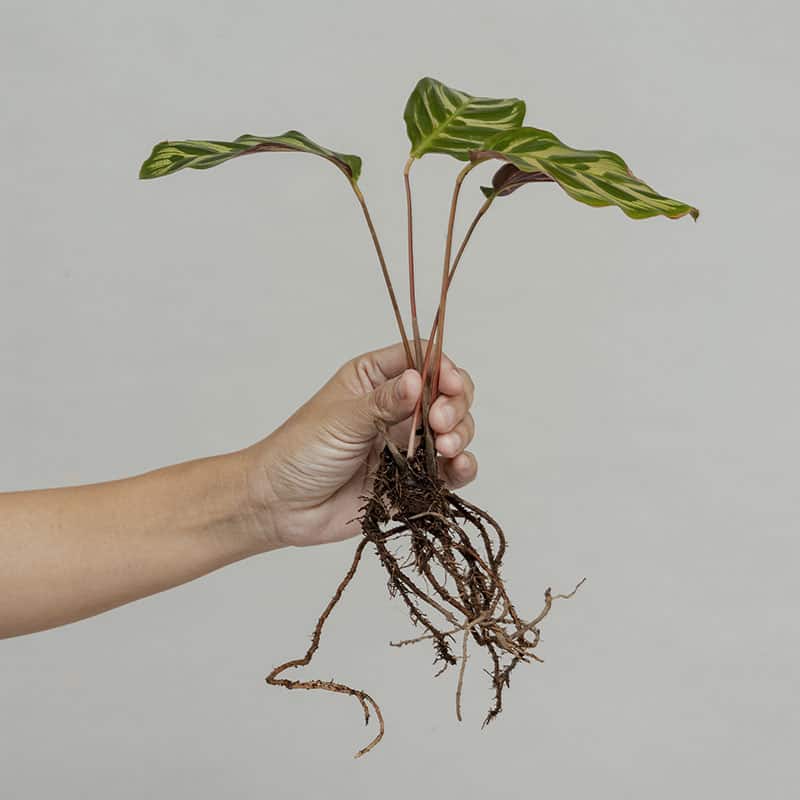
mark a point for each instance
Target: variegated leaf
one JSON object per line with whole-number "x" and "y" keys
{"x": 444, "y": 120}
{"x": 169, "y": 157}
{"x": 595, "y": 177}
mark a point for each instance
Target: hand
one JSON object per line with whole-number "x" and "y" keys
{"x": 311, "y": 473}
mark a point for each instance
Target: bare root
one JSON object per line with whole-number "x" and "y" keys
{"x": 443, "y": 558}
{"x": 331, "y": 686}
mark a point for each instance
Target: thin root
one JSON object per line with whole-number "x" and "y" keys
{"x": 443, "y": 558}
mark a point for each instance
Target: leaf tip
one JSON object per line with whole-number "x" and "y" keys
{"x": 148, "y": 169}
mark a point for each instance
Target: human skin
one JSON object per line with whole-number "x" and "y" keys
{"x": 70, "y": 553}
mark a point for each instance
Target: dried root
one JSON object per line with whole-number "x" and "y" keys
{"x": 331, "y": 686}
{"x": 443, "y": 558}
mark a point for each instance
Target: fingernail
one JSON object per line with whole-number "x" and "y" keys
{"x": 400, "y": 389}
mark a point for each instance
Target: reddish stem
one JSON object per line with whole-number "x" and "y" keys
{"x": 386, "y": 277}
{"x": 411, "y": 285}
{"x": 437, "y": 360}
{"x": 429, "y": 349}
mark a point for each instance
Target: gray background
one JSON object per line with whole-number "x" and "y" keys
{"x": 637, "y": 390}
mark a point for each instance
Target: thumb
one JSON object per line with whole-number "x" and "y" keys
{"x": 391, "y": 402}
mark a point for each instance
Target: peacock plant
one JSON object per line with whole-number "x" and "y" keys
{"x": 443, "y": 555}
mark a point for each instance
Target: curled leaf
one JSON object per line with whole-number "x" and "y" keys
{"x": 594, "y": 177}
{"x": 169, "y": 157}
{"x": 440, "y": 119}
{"x": 509, "y": 178}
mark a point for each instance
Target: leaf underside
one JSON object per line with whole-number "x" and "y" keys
{"x": 440, "y": 119}
{"x": 509, "y": 178}
{"x": 594, "y": 177}
{"x": 169, "y": 157}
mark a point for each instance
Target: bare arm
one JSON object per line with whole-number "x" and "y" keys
{"x": 70, "y": 553}
{"x": 74, "y": 552}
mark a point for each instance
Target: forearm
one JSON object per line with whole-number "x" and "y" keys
{"x": 74, "y": 552}
{"x": 66, "y": 554}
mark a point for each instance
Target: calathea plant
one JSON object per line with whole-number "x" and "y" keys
{"x": 443, "y": 555}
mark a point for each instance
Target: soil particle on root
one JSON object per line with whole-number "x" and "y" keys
{"x": 443, "y": 559}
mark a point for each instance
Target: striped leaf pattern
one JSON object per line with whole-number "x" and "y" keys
{"x": 169, "y": 157}
{"x": 444, "y": 120}
{"x": 595, "y": 177}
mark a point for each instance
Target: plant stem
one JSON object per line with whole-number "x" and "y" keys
{"x": 481, "y": 211}
{"x": 386, "y": 277}
{"x": 411, "y": 286}
{"x": 437, "y": 360}
{"x": 428, "y": 350}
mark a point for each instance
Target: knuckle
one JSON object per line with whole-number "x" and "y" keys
{"x": 351, "y": 374}
{"x": 469, "y": 427}
{"x": 461, "y": 407}
{"x": 469, "y": 384}
{"x": 376, "y": 403}
{"x": 367, "y": 371}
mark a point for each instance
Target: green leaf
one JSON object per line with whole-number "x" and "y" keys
{"x": 444, "y": 120}
{"x": 595, "y": 177}
{"x": 509, "y": 178}
{"x": 169, "y": 157}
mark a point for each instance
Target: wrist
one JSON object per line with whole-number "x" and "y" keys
{"x": 230, "y": 504}
{"x": 260, "y": 500}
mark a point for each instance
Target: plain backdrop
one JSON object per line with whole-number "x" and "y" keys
{"x": 637, "y": 391}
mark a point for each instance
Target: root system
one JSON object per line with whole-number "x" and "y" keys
{"x": 443, "y": 558}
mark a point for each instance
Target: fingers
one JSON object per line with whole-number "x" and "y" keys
{"x": 378, "y": 366}
{"x": 453, "y": 379}
{"x": 453, "y": 442}
{"x": 368, "y": 371}
{"x": 453, "y": 404}
{"x": 393, "y": 401}
{"x": 374, "y": 377}
{"x": 454, "y": 426}
{"x": 391, "y": 361}
{"x": 459, "y": 471}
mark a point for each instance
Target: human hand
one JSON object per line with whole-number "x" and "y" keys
{"x": 309, "y": 475}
